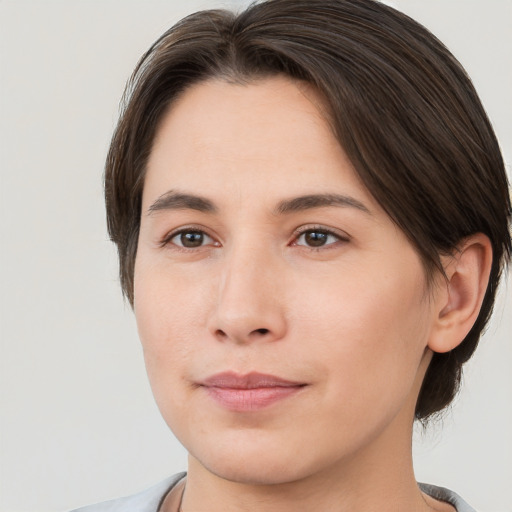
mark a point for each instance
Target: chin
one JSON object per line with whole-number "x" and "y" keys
{"x": 258, "y": 460}
{"x": 260, "y": 471}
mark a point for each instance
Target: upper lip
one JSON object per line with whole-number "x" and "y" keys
{"x": 253, "y": 380}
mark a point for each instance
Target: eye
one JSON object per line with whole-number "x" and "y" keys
{"x": 317, "y": 238}
{"x": 190, "y": 239}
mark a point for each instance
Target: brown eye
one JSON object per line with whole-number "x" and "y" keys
{"x": 317, "y": 238}
{"x": 191, "y": 239}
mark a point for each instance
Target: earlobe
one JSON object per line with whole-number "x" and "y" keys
{"x": 457, "y": 308}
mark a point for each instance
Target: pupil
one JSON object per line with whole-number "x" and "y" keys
{"x": 316, "y": 238}
{"x": 192, "y": 239}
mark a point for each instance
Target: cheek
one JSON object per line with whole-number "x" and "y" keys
{"x": 169, "y": 314}
{"x": 374, "y": 330}
{"x": 166, "y": 304}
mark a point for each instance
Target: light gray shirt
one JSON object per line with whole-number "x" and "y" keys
{"x": 150, "y": 499}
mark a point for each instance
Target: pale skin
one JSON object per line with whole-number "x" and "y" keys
{"x": 236, "y": 271}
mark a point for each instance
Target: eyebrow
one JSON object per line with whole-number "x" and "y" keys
{"x": 173, "y": 200}
{"x": 311, "y": 201}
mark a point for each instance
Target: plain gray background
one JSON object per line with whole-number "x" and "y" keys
{"x": 78, "y": 421}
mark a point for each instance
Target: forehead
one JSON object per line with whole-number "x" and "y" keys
{"x": 271, "y": 135}
{"x": 227, "y": 118}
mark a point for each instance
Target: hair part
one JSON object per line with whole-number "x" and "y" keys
{"x": 400, "y": 105}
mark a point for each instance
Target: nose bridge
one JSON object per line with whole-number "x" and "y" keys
{"x": 248, "y": 305}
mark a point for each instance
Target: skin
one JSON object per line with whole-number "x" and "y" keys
{"x": 352, "y": 319}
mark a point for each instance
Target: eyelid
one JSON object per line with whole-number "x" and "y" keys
{"x": 342, "y": 236}
{"x": 166, "y": 239}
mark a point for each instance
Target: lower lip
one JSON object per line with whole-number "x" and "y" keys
{"x": 245, "y": 400}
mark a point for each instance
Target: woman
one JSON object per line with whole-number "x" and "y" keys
{"x": 312, "y": 216}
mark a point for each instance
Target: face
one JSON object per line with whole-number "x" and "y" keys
{"x": 280, "y": 309}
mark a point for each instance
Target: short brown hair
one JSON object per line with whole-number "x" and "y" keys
{"x": 401, "y": 106}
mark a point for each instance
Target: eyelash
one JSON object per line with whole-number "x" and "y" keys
{"x": 186, "y": 229}
{"x": 340, "y": 237}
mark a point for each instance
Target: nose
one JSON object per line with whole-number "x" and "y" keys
{"x": 249, "y": 304}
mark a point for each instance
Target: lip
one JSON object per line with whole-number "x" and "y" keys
{"x": 249, "y": 392}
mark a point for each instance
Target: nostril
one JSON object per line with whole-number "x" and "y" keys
{"x": 242, "y": 335}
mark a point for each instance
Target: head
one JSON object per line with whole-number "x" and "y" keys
{"x": 397, "y": 102}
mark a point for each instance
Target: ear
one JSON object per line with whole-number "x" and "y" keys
{"x": 459, "y": 298}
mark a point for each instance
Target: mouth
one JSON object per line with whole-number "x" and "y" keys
{"x": 250, "y": 392}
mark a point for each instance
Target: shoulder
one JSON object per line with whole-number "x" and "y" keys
{"x": 145, "y": 501}
{"x": 442, "y": 494}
